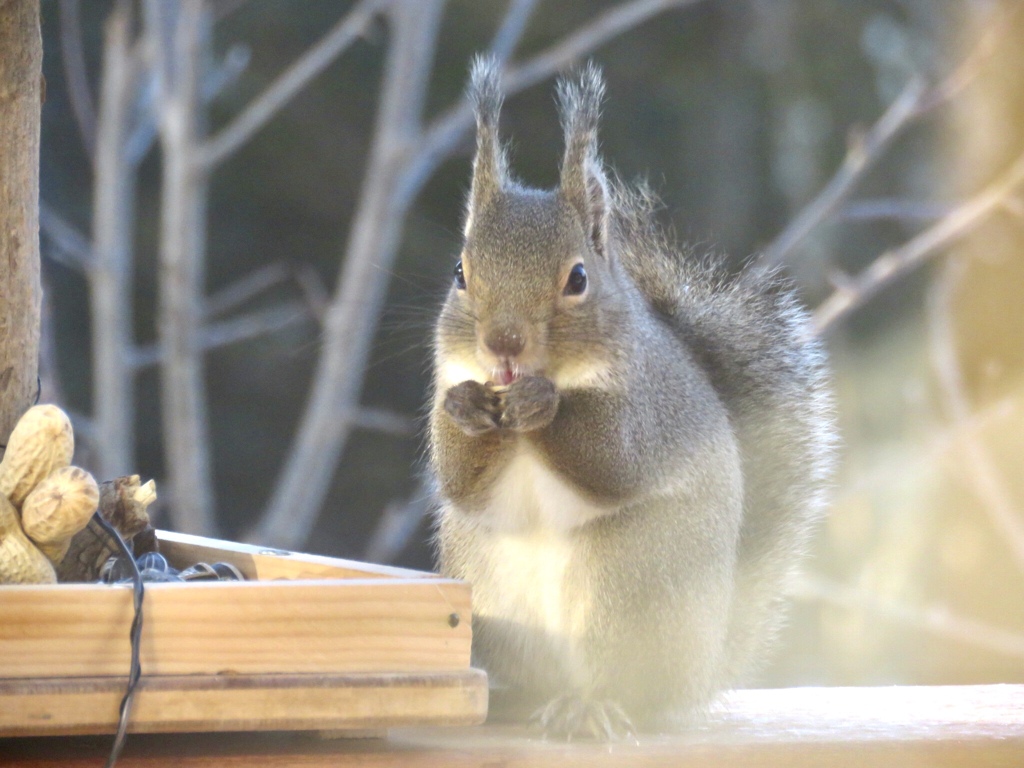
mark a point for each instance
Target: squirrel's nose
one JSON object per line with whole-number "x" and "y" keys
{"x": 505, "y": 341}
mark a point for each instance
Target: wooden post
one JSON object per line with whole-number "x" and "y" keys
{"x": 21, "y": 73}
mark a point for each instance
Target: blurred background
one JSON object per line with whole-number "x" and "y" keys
{"x": 251, "y": 208}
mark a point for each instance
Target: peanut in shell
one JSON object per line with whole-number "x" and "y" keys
{"x": 42, "y": 441}
{"x": 20, "y": 561}
{"x": 58, "y": 508}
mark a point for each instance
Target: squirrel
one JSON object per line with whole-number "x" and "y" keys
{"x": 631, "y": 444}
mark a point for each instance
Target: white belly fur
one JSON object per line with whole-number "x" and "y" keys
{"x": 530, "y": 497}
{"x": 526, "y": 574}
{"x": 523, "y": 540}
{"x": 522, "y": 581}
{"x": 527, "y": 532}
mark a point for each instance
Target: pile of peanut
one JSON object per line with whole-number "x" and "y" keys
{"x": 44, "y": 501}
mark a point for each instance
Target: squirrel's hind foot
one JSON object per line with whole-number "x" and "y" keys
{"x": 573, "y": 716}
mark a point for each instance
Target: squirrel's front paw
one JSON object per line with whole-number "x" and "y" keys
{"x": 475, "y": 407}
{"x": 529, "y": 403}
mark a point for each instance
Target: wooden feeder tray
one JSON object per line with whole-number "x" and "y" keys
{"x": 308, "y": 643}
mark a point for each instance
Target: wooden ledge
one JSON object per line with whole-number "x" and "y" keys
{"x": 901, "y": 727}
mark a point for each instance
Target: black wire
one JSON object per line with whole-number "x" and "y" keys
{"x": 136, "y": 637}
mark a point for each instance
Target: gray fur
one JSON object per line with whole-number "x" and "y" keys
{"x": 583, "y": 183}
{"x": 490, "y": 165}
{"x": 695, "y": 429}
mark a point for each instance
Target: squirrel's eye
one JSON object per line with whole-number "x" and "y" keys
{"x": 577, "y": 282}
{"x": 460, "y": 278}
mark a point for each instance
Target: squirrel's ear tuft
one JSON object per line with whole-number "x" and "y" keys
{"x": 489, "y": 166}
{"x": 583, "y": 182}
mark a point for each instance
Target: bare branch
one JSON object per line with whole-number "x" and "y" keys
{"x": 572, "y": 48}
{"x": 938, "y": 448}
{"x": 110, "y": 273}
{"x": 506, "y": 39}
{"x": 862, "y": 154}
{"x": 258, "y": 323}
{"x": 245, "y": 288}
{"x": 384, "y": 421}
{"x": 217, "y": 148}
{"x": 178, "y": 32}
{"x": 913, "y": 102}
{"x": 72, "y": 247}
{"x": 142, "y": 125}
{"x": 969, "y": 69}
{"x": 896, "y": 263}
{"x": 935, "y": 620}
{"x": 397, "y": 525}
{"x": 447, "y": 130}
{"x": 223, "y": 8}
{"x": 352, "y": 317}
{"x": 399, "y": 165}
{"x": 73, "y": 58}
{"x": 140, "y": 142}
{"x": 231, "y": 331}
{"x": 226, "y": 72}
{"x": 996, "y": 498}
{"x": 49, "y": 372}
{"x": 893, "y": 209}
{"x": 314, "y": 291}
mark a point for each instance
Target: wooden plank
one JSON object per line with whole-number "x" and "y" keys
{"x": 265, "y": 563}
{"x": 244, "y": 702}
{"x": 336, "y": 626}
{"x": 894, "y": 727}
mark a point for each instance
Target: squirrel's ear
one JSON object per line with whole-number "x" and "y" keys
{"x": 489, "y": 165}
{"x": 583, "y": 181}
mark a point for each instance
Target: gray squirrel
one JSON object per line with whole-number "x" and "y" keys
{"x": 631, "y": 445}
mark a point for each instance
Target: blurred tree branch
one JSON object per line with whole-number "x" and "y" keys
{"x": 863, "y": 152}
{"x": 244, "y": 289}
{"x": 403, "y": 156}
{"x": 178, "y": 35}
{"x": 407, "y": 148}
{"x": 159, "y": 83}
{"x": 350, "y": 320}
{"x": 231, "y": 331}
{"x": 445, "y": 132}
{"x": 936, "y": 620}
{"x": 73, "y": 58}
{"x": 854, "y": 292}
{"x": 398, "y": 523}
{"x": 111, "y": 266}
{"x": 512, "y": 28}
{"x": 866, "y": 148}
{"x": 997, "y": 502}
{"x": 940, "y": 448}
{"x": 951, "y": 223}
{"x": 892, "y": 209}
{"x": 219, "y": 147}
{"x": 71, "y": 248}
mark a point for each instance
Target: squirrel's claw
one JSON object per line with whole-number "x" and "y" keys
{"x": 574, "y": 716}
{"x": 528, "y": 403}
{"x": 475, "y": 407}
